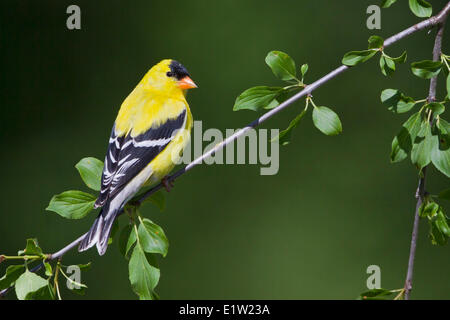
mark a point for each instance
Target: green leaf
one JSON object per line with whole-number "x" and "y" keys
{"x": 48, "y": 269}
{"x": 445, "y": 194}
{"x": 27, "y": 283}
{"x": 304, "y": 69}
{"x": 256, "y": 98}
{"x": 32, "y": 248}
{"x": 428, "y": 210}
{"x": 387, "y": 3}
{"x": 85, "y": 266}
{"x": 396, "y": 101}
{"x": 439, "y": 228}
{"x": 280, "y": 98}
{"x": 400, "y": 59}
{"x": 426, "y": 69}
{"x": 440, "y": 155}
{"x": 387, "y": 65}
{"x": 143, "y": 276}
{"x": 283, "y": 67}
{"x": 127, "y": 239}
{"x": 158, "y": 199}
{"x": 275, "y": 103}
{"x": 436, "y": 108}
{"x": 375, "y": 42}
{"x": 375, "y": 294}
{"x": 284, "y": 136}
{"x": 353, "y": 58}
{"x": 448, "y": 85}
{"x": 44, "y": 293}
{"x": 442, "y": 223}
{"x": 403, "y": 141}
{"x": 130, "y": 242}
{"x": 72, "y": 204}
{"x": 152, "y": 238}
{"x": 90, "y": 170}
{"x": 436, "y": 236}
{"x": 390, "y": 97}
{"x": 423, "y": 146}
{"x": 421, "y": 8}
{"x": 327, "y": 121}
{"x": 443, "y": 126}
{"x": 390, "y": 63}
{"x": 12, "y": 274}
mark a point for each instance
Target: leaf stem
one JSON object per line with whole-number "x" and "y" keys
{"x": 72, "y": 281}
{"x": 306, "y": 104}
{"x": 294, "y": 86}
{"x": 309, "y": 99}
{"x": 136, "y": 231}
{"x": 22, "y": 257}
{"x": 55, "y": 280}
{"x": 400, "y": 295}
{"x": 429, "y": 115}
{"x": 443, "y": 59}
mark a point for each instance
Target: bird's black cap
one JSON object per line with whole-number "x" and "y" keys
{"x": 177, "y": 70}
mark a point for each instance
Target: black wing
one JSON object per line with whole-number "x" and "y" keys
{"x": 127, "y": 156}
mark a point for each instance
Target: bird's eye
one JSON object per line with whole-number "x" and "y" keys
{"x": 169, "y": 74}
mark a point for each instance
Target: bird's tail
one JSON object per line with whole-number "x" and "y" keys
{"x": 100, "y": 230}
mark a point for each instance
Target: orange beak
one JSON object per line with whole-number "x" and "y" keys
{"x": 186, "y": 83}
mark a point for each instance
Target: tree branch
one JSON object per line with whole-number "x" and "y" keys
{"x": 428, "y": 23}
{"x": 420, "y": 193}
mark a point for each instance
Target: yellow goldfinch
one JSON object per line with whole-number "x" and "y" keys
{"x": 150, "y": 132}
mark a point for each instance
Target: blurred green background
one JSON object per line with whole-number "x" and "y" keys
{"x": 336, "y": 206}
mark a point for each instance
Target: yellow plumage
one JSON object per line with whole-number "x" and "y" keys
{"x": 165, "y": 161}
{"x": 150, "y": 132}
{"x": 156, "y": 99}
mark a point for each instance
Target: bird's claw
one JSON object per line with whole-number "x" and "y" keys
{"x": 168, "y": 185}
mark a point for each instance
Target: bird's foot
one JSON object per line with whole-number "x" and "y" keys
{"x": 168, "y": 185}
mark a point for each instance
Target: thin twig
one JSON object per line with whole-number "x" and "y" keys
{"x": 428, "y": 23}
{"x": 55, "y": 282}
{"x": 420, "y": 193}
